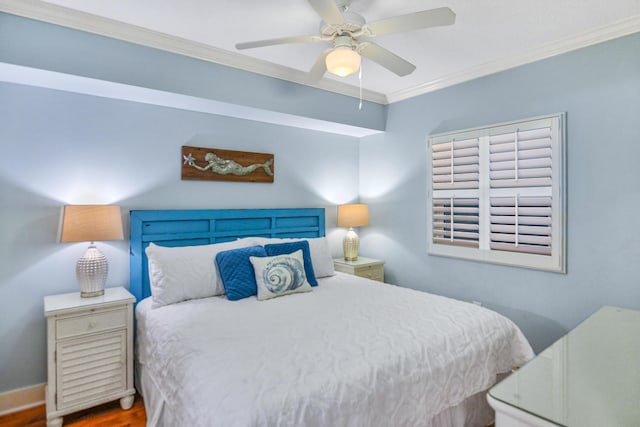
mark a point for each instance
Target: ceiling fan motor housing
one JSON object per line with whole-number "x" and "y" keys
{"x": 344, "y": 41}
{"x": 353, "y": 22}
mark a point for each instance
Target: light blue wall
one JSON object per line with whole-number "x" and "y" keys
{"x": 599, "y": 89}
{"x": 60, "y": 148}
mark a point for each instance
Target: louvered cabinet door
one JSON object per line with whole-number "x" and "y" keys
{"x": 91, "y": 368}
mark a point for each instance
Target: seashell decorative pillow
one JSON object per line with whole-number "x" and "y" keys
{"x": 289, "y": 247}
{"x": 280, "y": 275}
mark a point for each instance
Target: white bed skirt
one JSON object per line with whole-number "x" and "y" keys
{"x": 473, "y": 412}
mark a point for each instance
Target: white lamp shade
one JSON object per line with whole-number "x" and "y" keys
{"x": 91, "y": 223}
{"x": 353, "y": 215}
{"x": 343, "y": 61}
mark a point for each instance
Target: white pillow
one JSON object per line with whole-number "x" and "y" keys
{"x": 318, "y": 247}
{"x": 185, "y": 272}
{"x": 280, "y": 275}
{"x": 321, "y": 257}
{"x": 259, "y": 241}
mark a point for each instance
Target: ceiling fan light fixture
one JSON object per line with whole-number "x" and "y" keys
{"x": 343, "y": 61}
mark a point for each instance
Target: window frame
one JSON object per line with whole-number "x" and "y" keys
{"x": 556, "y": 261}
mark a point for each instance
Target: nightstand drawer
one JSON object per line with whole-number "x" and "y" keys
{"x": 95, "y": 322}
{"x": 368, "y": 268}
{"x": 374, "y": 273}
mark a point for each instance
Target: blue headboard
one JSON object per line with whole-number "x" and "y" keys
{"x": 203, "y": 227}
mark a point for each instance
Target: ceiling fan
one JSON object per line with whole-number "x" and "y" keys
{"x": 349, "y": 32}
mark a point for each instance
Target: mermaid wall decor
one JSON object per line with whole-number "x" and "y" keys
{"x": 226, "y": 165}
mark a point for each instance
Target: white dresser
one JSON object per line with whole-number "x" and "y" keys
{"x": 588, "y": 378}
{"x": 89, "y": 351}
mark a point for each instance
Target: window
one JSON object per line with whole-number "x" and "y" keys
{"x": 497, "y": 194}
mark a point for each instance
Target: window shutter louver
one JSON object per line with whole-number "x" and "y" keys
{"x": 456, "y": 164}
{"x": 521, "y": 224}
{"x": 497, "y": 194}
{"x": 521, "y": 159}
{"x": 456, "y": 222}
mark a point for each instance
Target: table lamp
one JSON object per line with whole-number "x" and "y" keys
{"x": 91, "y": 223}
{"x": 353, "y": 215}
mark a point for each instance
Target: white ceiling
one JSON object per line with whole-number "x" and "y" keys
{"x": 488, "y": 36}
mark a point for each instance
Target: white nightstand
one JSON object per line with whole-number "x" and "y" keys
{"x": 89, "y": 351}
{"x": 363, "y": 267}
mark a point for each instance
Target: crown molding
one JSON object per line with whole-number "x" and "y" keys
{"x": 78, "y": 20}
{"x": 618, "y": 29}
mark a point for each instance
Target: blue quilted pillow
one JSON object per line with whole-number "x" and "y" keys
{"x": 236, "y": 271}
{"x": 291, "y": 247}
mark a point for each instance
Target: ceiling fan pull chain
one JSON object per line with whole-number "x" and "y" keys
{"x": 360, "y": 78}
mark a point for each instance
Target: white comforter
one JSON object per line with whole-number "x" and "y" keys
{"x": 351, "y": 353}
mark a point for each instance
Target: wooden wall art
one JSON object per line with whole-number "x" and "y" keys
{"x": 212, "y": 164}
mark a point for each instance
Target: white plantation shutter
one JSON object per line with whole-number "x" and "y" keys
{"x": 521, "y": 159}
{"x": 456, "y": 172}
{"x": 497, "y": 194}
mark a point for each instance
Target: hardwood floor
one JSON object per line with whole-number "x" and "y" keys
{"x": 107, "y": 415}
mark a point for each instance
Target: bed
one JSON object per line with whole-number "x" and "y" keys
{"x": 351, "y": 352}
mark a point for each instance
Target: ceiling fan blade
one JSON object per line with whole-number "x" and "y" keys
{"x": 386, "y": 58}
{"x": 283, "y": 40}
{"x": 412, "y": 21}
{"x": 319, "y": 68}
{"x": 328, "y": 11}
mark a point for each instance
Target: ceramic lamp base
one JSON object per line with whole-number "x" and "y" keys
{"x": 351, "y": 245}
{"x": 91, "y": 272}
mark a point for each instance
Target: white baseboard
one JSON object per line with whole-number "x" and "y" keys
{"x": 21, "y": 398}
